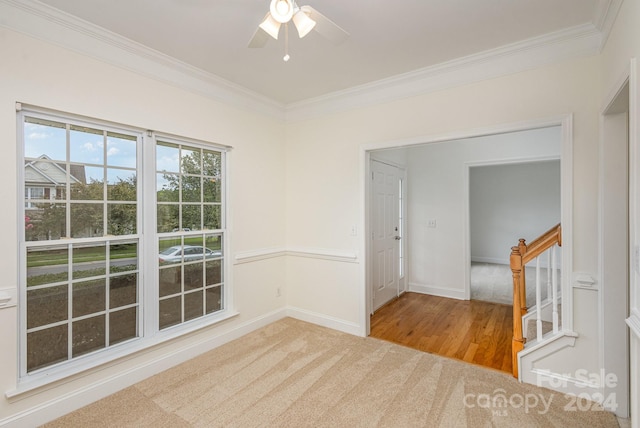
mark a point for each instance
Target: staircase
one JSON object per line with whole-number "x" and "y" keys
{"x": 529, "y": 327}
{"x": 537, "y": 308}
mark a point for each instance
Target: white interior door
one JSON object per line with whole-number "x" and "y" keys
{"x": 386, "y": 238}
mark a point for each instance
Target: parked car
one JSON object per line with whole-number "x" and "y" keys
{"x": 178, "y": 253}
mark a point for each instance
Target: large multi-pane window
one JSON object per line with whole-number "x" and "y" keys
{"x": 96, "y": 253}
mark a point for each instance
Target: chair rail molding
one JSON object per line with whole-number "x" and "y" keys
{"x": 8, "y": 297}
{"x": 634, "y": 322}
{"x": 313, "y": 253}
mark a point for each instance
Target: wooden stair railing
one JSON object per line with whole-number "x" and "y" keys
{"x": 520, "y": 256}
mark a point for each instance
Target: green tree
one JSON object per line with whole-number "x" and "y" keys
{"x": 86, "y": 218}
{"x": 47, "y": 221}
{"x": 122, "y": 218}
{"x": 200, "y": 182}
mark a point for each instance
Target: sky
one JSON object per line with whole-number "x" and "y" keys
{"x": 84, "y": 147}
{"x": 87, "y": 146}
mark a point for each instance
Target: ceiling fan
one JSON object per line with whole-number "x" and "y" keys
{"x": 304, "y": 18}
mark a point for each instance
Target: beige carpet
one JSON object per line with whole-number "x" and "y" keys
{"x": 295, "y": 374}
{"x": 494, "y": 283}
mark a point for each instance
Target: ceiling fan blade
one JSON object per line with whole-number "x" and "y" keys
{"x": 326, "y": 27}
{"x": 260, "y": 37}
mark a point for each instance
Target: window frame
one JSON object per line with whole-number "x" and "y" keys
{"x": 149, "y": 334}
{"x": 401, "y": 227}
{"x": 227, "y": 291}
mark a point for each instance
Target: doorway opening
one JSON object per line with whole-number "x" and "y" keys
{"x": 508, "y": 201}
{"x": 437, "y": 236}
{"x": 615, "y": 252}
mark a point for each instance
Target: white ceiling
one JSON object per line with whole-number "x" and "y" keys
{"x": 388, "y": 38}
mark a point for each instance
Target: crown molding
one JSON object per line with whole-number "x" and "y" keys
{"x": 605, "y": 17}
{"x": 46, "y": 23}
{"x": 579, "y": 41}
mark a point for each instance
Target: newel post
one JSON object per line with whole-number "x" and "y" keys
{"x": 517, "y": 343}
{"x": 559, "y": 235}
{"x": 522, "y": 249}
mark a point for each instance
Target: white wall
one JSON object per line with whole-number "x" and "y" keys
{"x": 399, "y": 157}
{"x": 41, "y": 74}
{"x": 438, "y": 184}
{"x": 326, "y": 173}
{"x": 508, "y": 202}
{"x": 622, "y": 45}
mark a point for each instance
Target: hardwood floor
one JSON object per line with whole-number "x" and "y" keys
{"x": 473, "y": 331}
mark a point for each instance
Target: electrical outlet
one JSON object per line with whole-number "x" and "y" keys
{"x": 278, "y": 292}
{"x": 431, "y": 222}
{"x": 354, "y": 230}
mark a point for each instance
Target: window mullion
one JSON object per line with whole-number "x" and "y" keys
{"x": 67, "y": 202}
{"x": 70, "y": 302}
{"x": 105, "y": 187}
{"x": 148, "y": 246}
{"x": 107, "y": 292}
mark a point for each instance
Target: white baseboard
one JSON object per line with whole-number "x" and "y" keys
{"x": 493, "y": 260}
{"x": 578, "y": 385}
{"x": 634, "y": 322}
{"x": 81, "y": 397}
{"x": 437, "y": 291}
{"x": 565, "y": 383}
{"x": 326, "y": 321}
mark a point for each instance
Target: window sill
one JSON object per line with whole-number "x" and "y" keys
{"x": 48, "y": 379}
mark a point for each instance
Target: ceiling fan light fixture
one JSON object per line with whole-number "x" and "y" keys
{"x": 303, "y": 23}
{"x": 281, "y": 10}
{"x": 305, "y": 18}
{"x": 270, "y": 26}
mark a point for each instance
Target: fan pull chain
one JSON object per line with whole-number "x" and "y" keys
{"x": 286, "y": 42}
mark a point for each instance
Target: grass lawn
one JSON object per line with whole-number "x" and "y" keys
{"x": 60, "y": 255}
{"x": 88, "y": 254}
